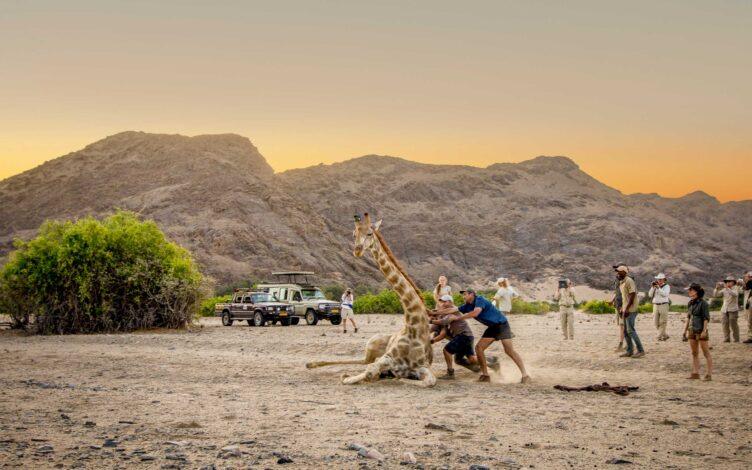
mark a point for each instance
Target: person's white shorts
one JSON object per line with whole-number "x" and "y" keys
{"x": 347, "y": 313}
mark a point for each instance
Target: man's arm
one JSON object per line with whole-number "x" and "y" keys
{"x": 476, "y": 311}
{"x": 440, "y": 336}
{"x": 628, "y": 306}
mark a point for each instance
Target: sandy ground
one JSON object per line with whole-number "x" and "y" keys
{"x": 175, "y": 400}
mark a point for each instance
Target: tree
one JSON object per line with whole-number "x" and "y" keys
{"x": 88, "y": 276}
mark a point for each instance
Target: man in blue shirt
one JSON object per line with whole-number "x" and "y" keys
{"x": 478, "y": 307}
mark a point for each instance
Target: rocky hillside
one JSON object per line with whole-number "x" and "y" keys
{"x": 531, "y": 221}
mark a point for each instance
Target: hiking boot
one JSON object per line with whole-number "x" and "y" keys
{"x": 484, "y": 378}
{"x": 626, "y": 354}
{"x": 707, "y": 378}
{"x": 726, "y": 340}
{"x": 638, "y": 355}
{"x": 448, "y": 376}
{"x": 344, "y": 331}
{"x": 747, "y": 341}
{"x": 694, "y": 377}
{"x": 356, "y": 329}
{"x": 463, "y": 362}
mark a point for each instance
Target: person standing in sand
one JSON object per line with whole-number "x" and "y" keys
{"x": 566, "y": 299}
{"x": 442, "y": 288}
{"x": 504, "y": 295}
{"x": 659, "y": 292}
{"x": 617, "y": 303}
{"x": 498, "y": 329}
{"x": 747, "y": 286}
{"x": 696, "y": 331}
{"x": 629, "y": 313}
{"x": 347, "y": 310}
{"x": 729, "y": 290}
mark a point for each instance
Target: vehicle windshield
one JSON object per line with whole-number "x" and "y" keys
{"x": 262, "y": 298}
{"x": 309, "y": 294}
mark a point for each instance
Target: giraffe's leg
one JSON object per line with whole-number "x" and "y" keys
{"x": 427, "y": 379}
{"x": 373, "y": 371}
{"x": 315, "y": 364}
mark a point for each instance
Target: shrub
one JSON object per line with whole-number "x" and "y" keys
{"x": 207, "y": 306}
{"x": 645, "y": 308}
{"x": 520, "y": 306}
{"x": 385, "y": 301}
{"x": 119, "y": 274}
{"x": 333, "y": 292}
{"x": 598, "y": 307}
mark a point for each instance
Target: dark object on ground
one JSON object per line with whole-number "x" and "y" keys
{"x": 618, "y": 461}
{"x": 604, "y": 387}
{"x": 284, "y": 460}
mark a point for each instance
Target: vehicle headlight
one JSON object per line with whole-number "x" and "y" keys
{"x": 269, "y": 309}
{"x": 322, "y": 307}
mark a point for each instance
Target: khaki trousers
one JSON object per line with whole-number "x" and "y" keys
{"x": 566, "y": 316}
{"x": 730, "y": 324}
{"x": 660, "y": 319}
{"x": 749, "y": 323}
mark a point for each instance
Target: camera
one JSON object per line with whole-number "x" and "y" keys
{"x": 562, "y": 283}
{"x": 655, "y": 283}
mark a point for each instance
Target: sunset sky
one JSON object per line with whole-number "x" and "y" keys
{"x": 646, "y": 96}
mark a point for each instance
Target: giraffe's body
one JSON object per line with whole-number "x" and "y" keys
{"x": 408, "y": 353}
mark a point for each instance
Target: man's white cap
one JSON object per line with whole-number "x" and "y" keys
{"x": 660, "y": 276}
{"x": 446, "y": 298}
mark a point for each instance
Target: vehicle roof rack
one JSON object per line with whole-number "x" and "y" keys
{"x": 291, "y": 276}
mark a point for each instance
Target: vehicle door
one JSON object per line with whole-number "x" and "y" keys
{"x": 296, "y": 299}
{"x": 236, "y": 307}
{"x": 247, "y": 307}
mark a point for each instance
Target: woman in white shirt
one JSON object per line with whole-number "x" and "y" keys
{"x": 442, "y": 288}
{"x": 503, "y": 296}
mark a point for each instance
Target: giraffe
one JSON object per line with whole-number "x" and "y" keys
{"x": 408, "y": 355}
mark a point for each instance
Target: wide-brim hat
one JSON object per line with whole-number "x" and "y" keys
{"x": 729, "y": 278}
{"x": 622, "y": 268}
{"x": 660, "y": 276}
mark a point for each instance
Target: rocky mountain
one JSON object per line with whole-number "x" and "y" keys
{"x": 530, "y": 221}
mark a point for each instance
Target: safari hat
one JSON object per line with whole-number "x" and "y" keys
{"x": 468, "y": 289}
{"x": 446, "y": 298}
{"x": 622, "y": 268}
{"x": 660, "y": 276}
{"x": 729, "y": 278}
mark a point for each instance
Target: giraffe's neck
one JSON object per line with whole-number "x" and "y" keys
{"x": 412, "y": 303}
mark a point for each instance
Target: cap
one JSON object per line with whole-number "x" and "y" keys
{"x": 660, "y": 276}
{"x": 619, "y": 264}
{"x": 622, "y": 268}
{"x": 469, "y": 289}
{"x": 694, "y": 286}
{"x": 446, "y": 298}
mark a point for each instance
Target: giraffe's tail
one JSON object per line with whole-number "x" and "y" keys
{"x": 313, "y": 365}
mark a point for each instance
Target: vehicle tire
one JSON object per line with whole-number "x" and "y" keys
{"x": 250, "y": 322}
{"x": 311, "y": 318}
{"x": 285, "y": 322}
{"x": 295, "y": 320}
{"x": 336, "y": 320}
{"x": 274, "y": 322}
{"x": 258, "y": 319}
{"x": 226, "y": 318}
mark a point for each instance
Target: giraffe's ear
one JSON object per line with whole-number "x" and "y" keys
{"x": 377, "y": 225}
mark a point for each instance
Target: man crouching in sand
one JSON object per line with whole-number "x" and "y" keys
{"x": 478, "y": 307}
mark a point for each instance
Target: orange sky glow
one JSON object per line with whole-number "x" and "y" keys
{"x": 644, "y": 96}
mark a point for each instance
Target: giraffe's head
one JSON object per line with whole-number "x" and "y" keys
{"x": 364, "y": 234}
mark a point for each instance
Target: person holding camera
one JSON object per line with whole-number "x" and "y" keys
{"x": 566, "y": 298}
{"x": 659, "y": 292}
{"x": 747, "y": 286}
{"x": 616, "y": 302}
{"x": 629, "y": 312}
{"x": 696, "y": 331}
{"x": 729, "y": 290}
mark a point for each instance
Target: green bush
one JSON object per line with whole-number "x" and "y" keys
{"x": 428, "y": 299}
{"x": 207, "y": 306}
{"x": 520, "y": 306}
{"x": 645, "y": 308}
{"x": 598, "y": 307}
{"x": 678, "y": 308}
{"x": 385, "y": 301}
{"x": 333, "y": 292}
{"x": 119, "y": 274}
